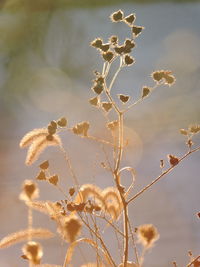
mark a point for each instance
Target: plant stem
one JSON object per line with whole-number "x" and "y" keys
{"x": 162, "y": 175}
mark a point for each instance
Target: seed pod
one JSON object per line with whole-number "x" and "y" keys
{"x": 130, "y": 19}
{"x": 97, "y": 43}
{"x": 108, "y": 56}
{"x": 117, "y": 16}
{"x": 128, "y": 60}
{"x": 136, "y": 30}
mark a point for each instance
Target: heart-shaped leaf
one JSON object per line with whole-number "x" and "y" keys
{"x": 107, "y": 106}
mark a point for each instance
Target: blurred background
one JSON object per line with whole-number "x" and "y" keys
{"x": 46, "y": 68}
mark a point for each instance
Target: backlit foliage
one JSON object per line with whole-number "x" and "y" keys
{"x": 85, "y": 212}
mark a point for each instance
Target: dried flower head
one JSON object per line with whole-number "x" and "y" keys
{"x": 32, "y": 252}
{"x": 117, "y": 16}
{"x": 70, "y": 228}
{"x": 147, "y": 235}
{"x": 30, "y": 191}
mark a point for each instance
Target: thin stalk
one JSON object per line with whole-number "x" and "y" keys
{"x": 101, "y": 241}
{"x": 162, "y": 175}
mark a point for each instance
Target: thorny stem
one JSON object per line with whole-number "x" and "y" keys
{"x": 161, "y": 175}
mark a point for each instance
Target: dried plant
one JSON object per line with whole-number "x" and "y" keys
{"x": 87, "y": 209}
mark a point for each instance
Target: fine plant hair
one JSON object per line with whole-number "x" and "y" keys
{"x": 88, "y": 206}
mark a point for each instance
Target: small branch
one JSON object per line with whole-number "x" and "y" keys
{"x": 161, "y": 175}
{"x": 193, "y": 261}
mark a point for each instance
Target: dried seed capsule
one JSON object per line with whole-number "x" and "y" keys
{"x": 108, "y": 56}
{"x": 71, "y": 191}
{"x": 51, "y": 130}
{"x": 130, "y": 18}
{"x": 105, "y": 47}
{"x": 145, "y": 91}
{"x": 113, "y": 40}
{"x": 44, "y": 165}
{"x": 54, "y": 179}
{"x": 49, "y": 137}
{"x": 97, "y": 88}
{"x": 41, "y": 176}
{"x": 173, "y": 160}
{"x": 136, "y": 30}
{"x": 94, "y": 101}
{"x": 119, "y": 49}
{"x": 128, "y": 60}
{"x": 97, "y": 43}
{"x": 117, "y": 16}
{"x": 62, "y": 122}
{"x": 124, "y": 98}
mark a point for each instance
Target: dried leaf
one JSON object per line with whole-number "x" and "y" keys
{"x": 194, "y": 129}
{"x": 108, "y": 56}
{"x": 81, "y": 128}
{"x": 117, "y": 16}
{"x": 44, "y": 165}
{"x": 113, "y": 125}
{"x": 62, "y": 122}
{"x": 183, "y": 131}
{"x": 41, "y": 176}
{"x": 107, "y": 106}
{"x": 54, "y": 179}
{"x": 136, "y": 30}
{"x": 145, "y": 91}
{"x": 129, "y": 60}
{"x": 94, "y": 101}
{"x": 124, "y": 98}
{"x": 173, "y": 160}
{"x": 130, "y": 19}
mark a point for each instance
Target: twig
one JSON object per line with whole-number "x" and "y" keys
{"x": 161, "y": 175}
